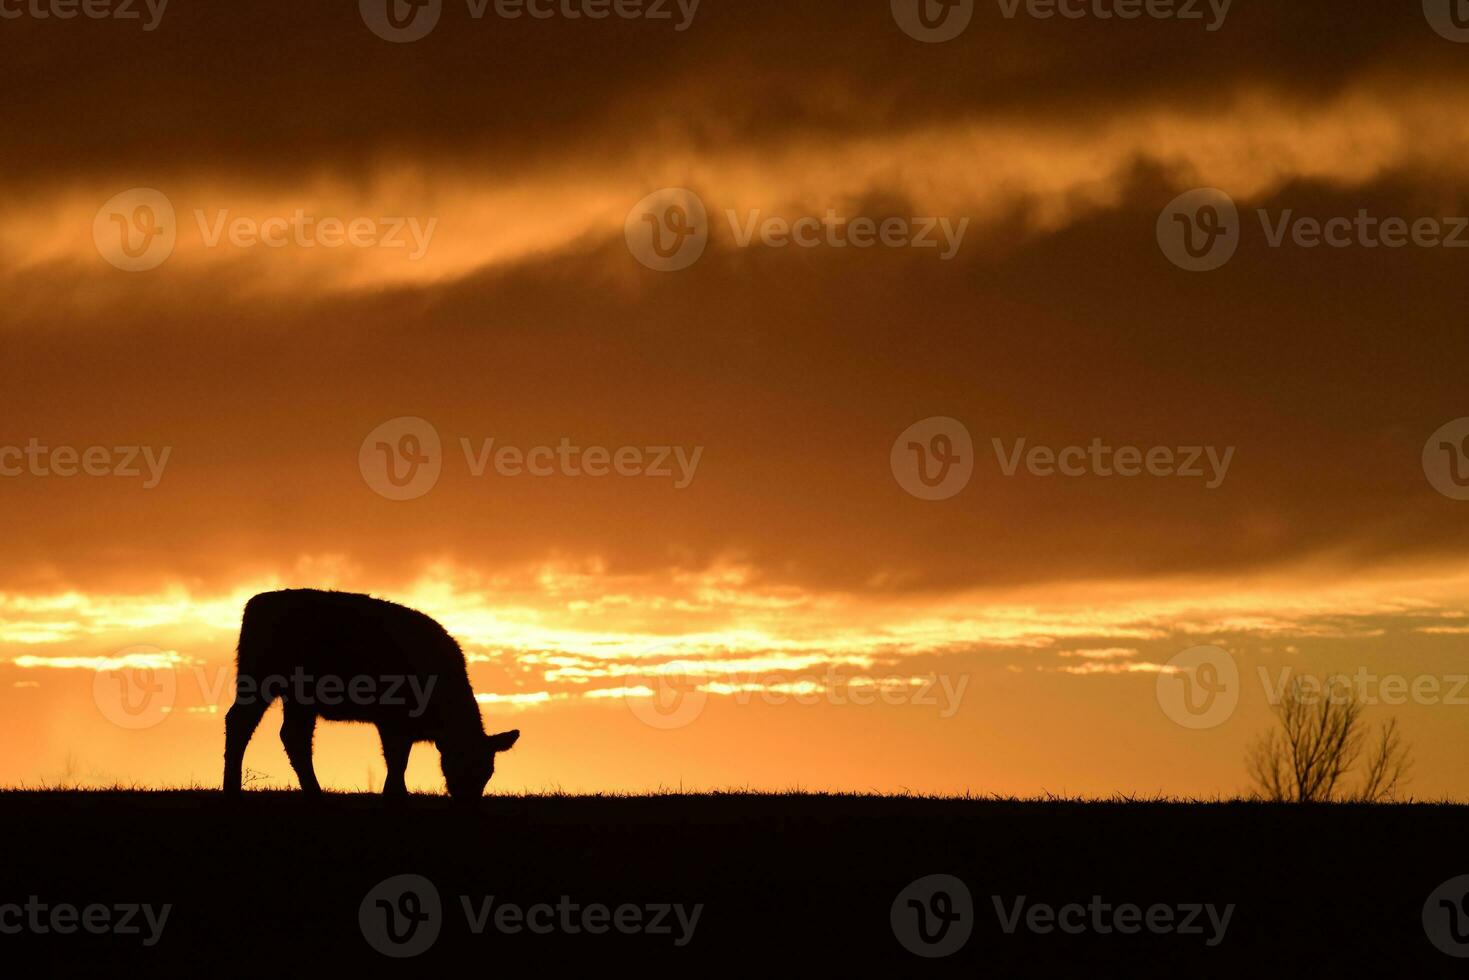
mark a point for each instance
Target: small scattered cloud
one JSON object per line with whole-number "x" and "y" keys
{"x": 1101, "y": 653}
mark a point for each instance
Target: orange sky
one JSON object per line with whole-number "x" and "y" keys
{"x": 1014, "y": 637}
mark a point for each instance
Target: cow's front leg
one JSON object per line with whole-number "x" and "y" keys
{"x": 395, "y": 753}
{"x": 296, "y": 735}
{"x": 239, "y": 725}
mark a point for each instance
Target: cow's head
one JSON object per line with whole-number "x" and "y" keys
{"x": 468, "y": 768}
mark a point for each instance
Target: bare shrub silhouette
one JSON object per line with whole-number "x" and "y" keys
{"x": 1319, "y": 740}
{"x": 347, "y": 657}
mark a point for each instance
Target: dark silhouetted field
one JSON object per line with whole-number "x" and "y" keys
{"x": 273, "y": 884}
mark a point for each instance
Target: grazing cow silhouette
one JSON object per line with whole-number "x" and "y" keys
{"x": 347, "y": 657}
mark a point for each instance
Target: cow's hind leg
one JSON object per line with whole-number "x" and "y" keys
{"x": 296, "y": 735}
{"x": 396, "y": 748}
{"x": 239, "y": 724}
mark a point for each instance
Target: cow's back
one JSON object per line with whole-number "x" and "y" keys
{"x": 344, "y": 635}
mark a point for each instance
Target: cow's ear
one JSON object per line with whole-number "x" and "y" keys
{"x": 504, "y": 740}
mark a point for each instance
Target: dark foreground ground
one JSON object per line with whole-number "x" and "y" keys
{"x": 272, "y": 885}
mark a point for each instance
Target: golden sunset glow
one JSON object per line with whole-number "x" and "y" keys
{"x": 588, "y": 652}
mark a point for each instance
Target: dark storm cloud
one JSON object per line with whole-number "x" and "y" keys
{"x": 1325, "y": 369}
{"x": 276, "y": 90}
